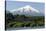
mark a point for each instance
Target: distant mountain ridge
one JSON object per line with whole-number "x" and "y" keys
{"x": 27, "y": 10}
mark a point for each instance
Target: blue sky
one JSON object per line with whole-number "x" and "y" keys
{"x": 10, "y": 5}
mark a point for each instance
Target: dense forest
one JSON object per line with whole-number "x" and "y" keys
{"x": 23, "y": 21}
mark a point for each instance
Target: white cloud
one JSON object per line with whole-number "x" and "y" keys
{"x": 41, "y": 1}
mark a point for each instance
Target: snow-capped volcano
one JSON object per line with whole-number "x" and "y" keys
{"x": 27, "y": 10}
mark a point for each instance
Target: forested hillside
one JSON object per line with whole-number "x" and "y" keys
{"x": 22, "y": 20}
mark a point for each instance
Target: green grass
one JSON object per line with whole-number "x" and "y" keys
{"x": 32, "y": 21}
{"x": 27, "y": 24}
